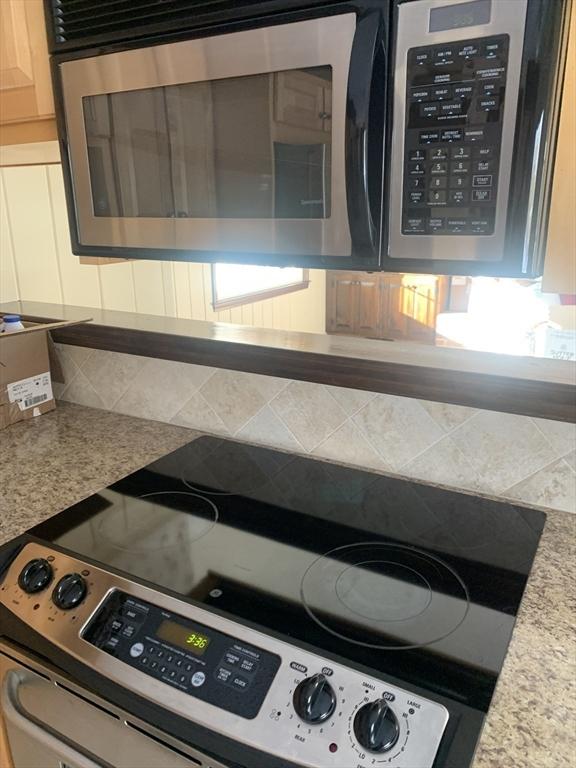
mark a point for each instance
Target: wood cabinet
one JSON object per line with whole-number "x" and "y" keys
{"x": 560, "y": 261}
{"x": 384, "y": 306}
{"x": 303, "y": 100}
{"x": 26, "y": 103}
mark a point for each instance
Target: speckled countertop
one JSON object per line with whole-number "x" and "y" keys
{"x": 68, "y": 454}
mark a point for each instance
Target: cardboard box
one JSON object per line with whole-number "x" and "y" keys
{"x": 25, "y": 376}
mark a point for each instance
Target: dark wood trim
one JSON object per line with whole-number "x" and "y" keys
{"x": 251, "y": 298}
{"x": 339, "y": 361}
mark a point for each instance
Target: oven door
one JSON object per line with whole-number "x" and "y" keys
{"x": 239, "y": 147}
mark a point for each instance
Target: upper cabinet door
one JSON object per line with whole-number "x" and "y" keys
{"x": 26, "y": 103}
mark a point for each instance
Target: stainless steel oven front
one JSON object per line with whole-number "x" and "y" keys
{"x": 233, "y": 143}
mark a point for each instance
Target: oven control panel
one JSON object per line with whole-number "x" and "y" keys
{"x": 251, "y": 687}
{"x": 454, "y": 106}
{"x": 194, "y": 658}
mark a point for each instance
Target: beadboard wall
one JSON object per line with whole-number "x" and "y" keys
{"x": 37, "y": 264}
{"x": 514, "y": 457}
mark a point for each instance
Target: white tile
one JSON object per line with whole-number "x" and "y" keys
{"x": 81, "y": 391}
{"x": 570, "y": 459}
{"x": 234, "y": 397}
{"x": 560, "y": 435}
{"x": 444, "y": 464}
{"x": 446, "y": 415}
{"x": 309, "y": 412}
{"x": 78, "y": 354}
{"x": 197, "y": 414}
{"x": 350, "y": 400}
{"x": 503, "y": 448}
{"x": 398, "y": 427}
{"x": 266, "y": 428}
{"x": 268, "y": 386}
{"x": 554, "y": 486}
{"x": 111, "y": 373}
{"x": 349, "y": 446}
{"x": 161, "y": 389}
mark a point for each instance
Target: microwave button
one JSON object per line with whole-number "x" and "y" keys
{"x": 469, "y": 49}
{"x": 444, "y": 54}
{"x": 438, "y": 182}
{"x": 436, "y": 197}
{"x": 482, "y": 226}
{"x": 416, "y": 154}
{"x": 415, "y": 224}
{"x": 421, "y": 57}
{"x": 493, "y": 48}
{"x": 442, "y": 92}
{"x": 483, "y": 166}
{"x": 459, "y": 196}
{"x": 481, "y": 195}
{"x": 459, "y": 182}
{"x": 436, "y": 224}
{"x": 416, "y": 198}
{"x": 416, "y": 182}
{"x": 483, "y": 152}
{"x": 452, "y": 108}
{"x": 463, "y": 91}
{"x": 488, "y": 103}
{"x": 439, "y": 169}
{"x": 439, "y": 153}
{"x": 460, "y": 153}
{"x": 416, "y": 169}
{"x": 482, "y": 181}
{"x": 490, "y": 72}
{"x": 427, "y": 137}
{"x": 460, "y": 167}
{"x": 457, "y": 225}
{"x": 420, "y": 94}
{"x": 474, "y": 134}
{"x": 451, "y": 134}
{"x": 488, "y": 89}
{"x": 429, "y": 110}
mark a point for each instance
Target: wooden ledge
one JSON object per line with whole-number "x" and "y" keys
{"x": 529, "y": 386}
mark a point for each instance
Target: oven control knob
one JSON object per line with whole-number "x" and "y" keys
{"x": 314, "y": 699}
{"x": 376, "y": 726}
{"x": 69, "y": 592}
{"x": 35, "y": 576}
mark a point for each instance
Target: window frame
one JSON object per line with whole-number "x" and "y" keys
{"x": 255, "y": 296}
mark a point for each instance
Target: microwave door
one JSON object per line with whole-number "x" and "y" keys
{"x": 237, "y": 147}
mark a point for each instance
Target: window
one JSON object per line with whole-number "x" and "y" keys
{"x": 236, "y": 284}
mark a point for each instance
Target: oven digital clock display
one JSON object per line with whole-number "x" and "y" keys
{"x": 184, "y": 637}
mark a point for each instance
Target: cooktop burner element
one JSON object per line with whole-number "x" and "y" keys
{"x": 132, "y": 524}
{"x": 387, "y": 601}
{"x": 390, "y": 596}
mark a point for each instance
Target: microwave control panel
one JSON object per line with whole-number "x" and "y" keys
{"x": 454, "y": 114}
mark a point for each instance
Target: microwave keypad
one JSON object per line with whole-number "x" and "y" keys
{"x": 455, "y": 99}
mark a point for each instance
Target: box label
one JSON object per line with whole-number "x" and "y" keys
{"x": 31, "y": 392}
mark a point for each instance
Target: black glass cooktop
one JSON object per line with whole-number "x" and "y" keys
{"x": 420, "y": 583}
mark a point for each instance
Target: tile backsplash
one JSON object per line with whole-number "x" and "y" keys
{"x": 516, "y": 457}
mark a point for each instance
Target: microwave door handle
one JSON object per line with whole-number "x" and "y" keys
{"x": 14, "y": 715}
{"x": 367, "y": 41}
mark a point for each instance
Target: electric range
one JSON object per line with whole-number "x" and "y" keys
{"x": 274, "y": 610}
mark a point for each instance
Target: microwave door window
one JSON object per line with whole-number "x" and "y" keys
{"x": 254, "y": 147}
{"x": 129, "y": 154}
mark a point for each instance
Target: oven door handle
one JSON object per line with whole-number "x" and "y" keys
{"x": 13, "y": 713}
{"x": 368, "y": 42}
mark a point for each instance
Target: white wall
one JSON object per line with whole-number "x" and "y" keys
{"x": 37, "y": 264}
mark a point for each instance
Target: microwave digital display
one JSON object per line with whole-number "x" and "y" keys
{"x": 461, "y": 15}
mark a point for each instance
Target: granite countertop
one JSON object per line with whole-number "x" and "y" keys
{"x": 68, "y": 454}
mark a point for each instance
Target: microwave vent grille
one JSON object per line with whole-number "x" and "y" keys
{"x": 81, "y": 23}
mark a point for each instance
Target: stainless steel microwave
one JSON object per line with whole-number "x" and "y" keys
{"x": 410, "y": 136}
